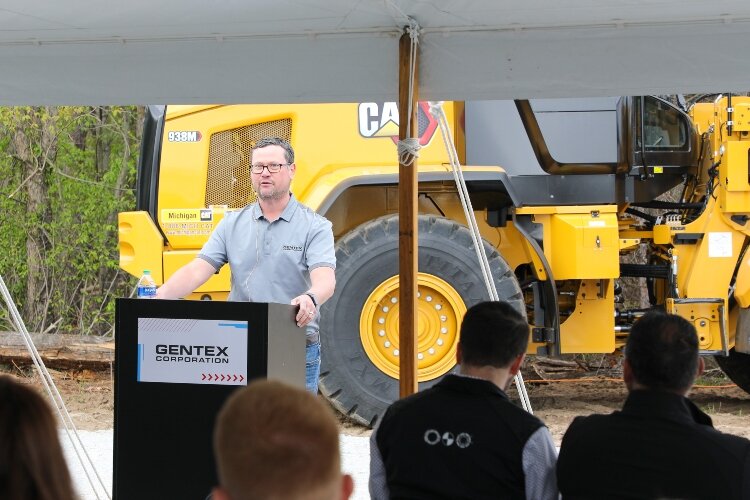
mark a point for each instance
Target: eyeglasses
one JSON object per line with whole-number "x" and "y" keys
{"x": 272, "y": 167}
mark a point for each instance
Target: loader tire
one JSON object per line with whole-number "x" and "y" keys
{"x": 359, "y": 324}
{"x": 737, "y": 368}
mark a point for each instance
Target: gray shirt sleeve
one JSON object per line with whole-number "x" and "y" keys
{"x": 378, "y": 484}
{"x": 539, "y": 458}
{"x": 320, "y": 251}
{"x": 214, "y": 251}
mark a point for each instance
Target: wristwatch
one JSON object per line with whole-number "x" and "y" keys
{"x": 313, "y": 298}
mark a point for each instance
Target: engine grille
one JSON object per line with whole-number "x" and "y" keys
{"x": 229, "y": 161}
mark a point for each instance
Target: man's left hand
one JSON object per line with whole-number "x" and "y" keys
{"x": 307, "y": 310}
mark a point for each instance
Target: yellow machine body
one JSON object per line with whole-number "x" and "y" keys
{"x": 347, "y": 170}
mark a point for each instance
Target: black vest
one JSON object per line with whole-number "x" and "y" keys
{"x": 461, "y": 438}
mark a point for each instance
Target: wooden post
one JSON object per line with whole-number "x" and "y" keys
{"x": 407, "y": 230}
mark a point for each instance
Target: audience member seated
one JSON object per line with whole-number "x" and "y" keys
{"x": 32, "y": 464}
{"x": 463, "y": 438}
{"x": 660, "y": 445}
{"x": 273, "y": 441}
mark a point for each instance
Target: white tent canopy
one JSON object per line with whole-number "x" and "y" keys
{"x": 286, "y": 51}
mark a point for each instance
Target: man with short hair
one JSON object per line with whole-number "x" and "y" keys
{"x": 273, "y": 441}
{"x": 463, "y": 438}
{"x": 660, "y": 445}
{"x": 278, "y": 250}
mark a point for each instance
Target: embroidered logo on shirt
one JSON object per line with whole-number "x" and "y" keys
{"x": 463, "y": 440}
{"x": 293, "y": 248}
{"x": 433, "y": 437}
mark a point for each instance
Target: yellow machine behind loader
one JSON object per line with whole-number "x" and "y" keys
{"x": 562, "y": 190}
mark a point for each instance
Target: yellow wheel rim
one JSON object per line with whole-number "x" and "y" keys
{"x": 439, "y": 312}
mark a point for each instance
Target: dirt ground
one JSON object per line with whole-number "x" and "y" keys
{"x": 557, "y": 403}
{"x": 89, "y": 398}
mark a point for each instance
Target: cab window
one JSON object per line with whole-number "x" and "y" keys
{"x": 664, "y": 127}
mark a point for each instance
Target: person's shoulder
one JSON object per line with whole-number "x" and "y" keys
{"x": 311, "y": 214}
{"x": 584, "y": 433}
{"x": 592, "y": 421}
{"x": 412, "y": 403}
{"x": 236, "y": 219}
{"x": 588, "y": 427}
{"x": 726, "y": 440}
{"x": 728, "y": 450}
{"x": 523, "y": 423}
{"x": 595, "y": 418}
{"x": 531, "y": 419}
{"x": 236, "y": 214}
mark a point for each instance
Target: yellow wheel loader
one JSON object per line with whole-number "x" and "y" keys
{"x": 562, "y": 190}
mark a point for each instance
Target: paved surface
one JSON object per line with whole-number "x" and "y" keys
{"x": 355, "y": 454}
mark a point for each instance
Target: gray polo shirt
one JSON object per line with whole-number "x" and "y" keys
{"x": 271, "y": 261}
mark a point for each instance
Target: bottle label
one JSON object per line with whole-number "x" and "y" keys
{"x": 146, "y": 291}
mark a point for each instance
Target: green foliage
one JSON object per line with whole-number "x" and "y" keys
{"x": 714, "y": 377}
{"x": 87, "y": 159}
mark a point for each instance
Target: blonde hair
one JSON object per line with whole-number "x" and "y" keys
{"x": 275, "y": 441}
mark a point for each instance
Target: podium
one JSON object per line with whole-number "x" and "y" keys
{"x": 176, "y": 362}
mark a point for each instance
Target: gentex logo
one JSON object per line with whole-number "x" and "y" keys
{"x": 380, "y": 119}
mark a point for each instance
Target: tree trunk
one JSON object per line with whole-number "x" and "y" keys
{"x": 103, "y": 142}
{"x": 35, "y": 144}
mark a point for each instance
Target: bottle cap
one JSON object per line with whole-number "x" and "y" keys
{"x": 146, "y": 271}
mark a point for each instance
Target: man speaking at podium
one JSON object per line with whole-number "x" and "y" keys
{"x": 278, "y": 250}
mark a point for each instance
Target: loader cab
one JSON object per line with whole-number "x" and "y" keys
{"x": 583, "y": 151}
{"x": 659, "y": 135}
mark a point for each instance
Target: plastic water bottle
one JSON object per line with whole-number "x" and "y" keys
{"x": 146, "y": 286}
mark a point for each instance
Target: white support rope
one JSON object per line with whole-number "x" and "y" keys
{"x": 54, "y": 394}
{"x": 436, "y": 109}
